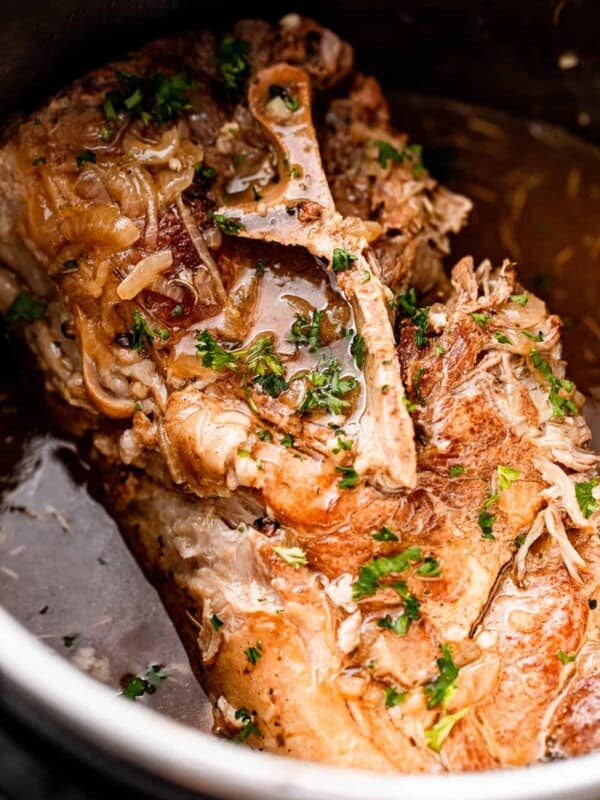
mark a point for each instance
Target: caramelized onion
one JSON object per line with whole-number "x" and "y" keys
{"x": 104, "y": 400}
{"x": 99, "y": 225}
{"x": 144, "y": 273}
{"x": 202, "y": 250}
{"x": 171, "y": 184}
{"x": 152, "y": 154}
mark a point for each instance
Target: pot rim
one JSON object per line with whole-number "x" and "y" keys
{"x": 196, "y": 761}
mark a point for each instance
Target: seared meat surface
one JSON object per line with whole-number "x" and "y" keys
{"x": 373, "y": 521}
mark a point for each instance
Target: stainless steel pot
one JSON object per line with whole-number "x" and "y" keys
{"x": 497, "y": 53}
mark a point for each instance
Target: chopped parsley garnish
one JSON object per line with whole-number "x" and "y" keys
{"x": 384, "y": 534}
{"x": 142, "y": 333}
{"x": 502, "y": 338}
{"x": 342, "y": 260}
{"x": 205, "y": 172}
{"x": 25, "y": 309}
{"x": 358, "y": 349}
{"x": 227, "y": 225}
{"x": 487, "y": 520}
{"x": 407, "y": 305}
{"x": 294, "y": 556}
{"x": 455, "y": 470}
{"x": 370, "y": 574}
{"x": 258, "y": 361}
{"x": 393, "y": 697}
{"x": 521, "y": 299}
{"x": 260, "y": 267}
{"x": 70, "y": 265}
{"x": 412, "y": 612}
{"x": 350, "y": 477}
{"x": 265, "y": 436}
{"x": 216, "y": 622}
{"x": 70, "y": 639}
{"x": 177, "y": 311}
{"x": 587, "y": 502}
{"x": 290, "y": 101}
{"x": 564, "y": 658}
{"x": 437, "y": 735}
{"x": 507, "y": 476}
{"x": 85, "y": 157}
{"x": 387, "y": 152}
{"x": 254, "y": 653}
{"x": 37, "y": 161}
{"x": 342, "y": 444}
{"x": 441, "y": 689}
{"x": 307, "y": 332}
{"x": 287, "y": 440}
{"x": 250, "y": 727}
{"x": 417, "y": 385}
{"x": 481, "y": 319}
{"x": 152, "y": 96}
{"x": 561, "y": 406}
{"x": 535, "y": 337}
{"x": 327, "y": 388}
{"x": 135, "y": 686}
{"x": 410, "y": 406}
{"x": 520, "y": 540}
{"x": 232, "y": 60}
{"x": 430, "y": 568}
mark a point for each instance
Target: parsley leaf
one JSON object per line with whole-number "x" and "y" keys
{"x": 441, "y": 689}
{"x": 250, "y": 727}
{"x": 564, "y": 658}
{"x": 287, "y": 440}
{"x": 587, "y": 502}
{"x": 307, "y": 332}
{"x": 342, "y": 260}
{"x": 265, "y": 436}
{"x": 358, "y": 349}
{"x": 135, "y": 686}
{"x": 384, "y": 535}
{"x": 253, "y": 654}
{"x": 152, "y": 95}
{"x": 227, "y": 225}
{"x": 430, "y": 568}
{"x": 294, "y": 556}
{"x": 370, "y": 574}
{"x": 213, "y": 355}
{"x": 521, "y": 299}
{"x": 437, "y": 735}
{"x": 455, "y": 470}
{"x": 290, "y": 101}
{"x": 486, "y": 522}
{"x": 481, "y": 319}
{"x": 387, "y": 152}
{"x": 25, "y": 309}
{"x": 141, "y": 332}
{"x": 216, "y": 622}
{"x": 70, "y": 640}
{"x": 393, "y": 697}
{"x": 561, "y": 405}
{"x": 350, "y": 477}
{"x": 502, "y": 338}
{"x": 327, "y": 389}
{"x": 86, "y": 156}
{"x": 407, "y": 305}
{"x": 232, "y": 61}
{"x": 535, "y": 337}
{"x": 507, "y": 476}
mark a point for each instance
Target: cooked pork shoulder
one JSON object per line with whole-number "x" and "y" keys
{"x": 374, "y": 522}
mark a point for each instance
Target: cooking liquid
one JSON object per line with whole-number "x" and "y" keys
{"x": 64, "y": 570}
